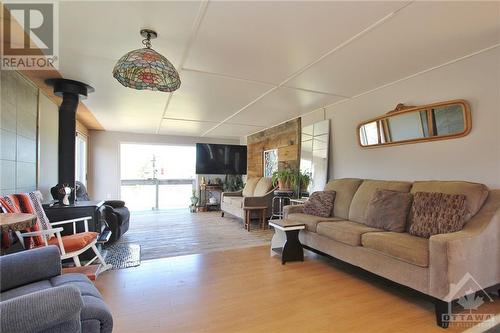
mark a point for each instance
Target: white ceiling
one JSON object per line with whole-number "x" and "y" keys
{"x": 245, "y": 66}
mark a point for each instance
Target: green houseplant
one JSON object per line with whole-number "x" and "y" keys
{"x": 194, "y": 202}
{"x": 285, "y": 179}
{"x": 305, "y": 180}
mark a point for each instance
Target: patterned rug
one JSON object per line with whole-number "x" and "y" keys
{"x": 122, "y": 255}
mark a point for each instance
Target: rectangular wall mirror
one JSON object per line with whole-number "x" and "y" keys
{"x": 315, "y": 141}
{"x": 439, "y": 121}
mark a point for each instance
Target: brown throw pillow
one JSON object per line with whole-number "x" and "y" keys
{"x": 320, "y": 203}
{"x": 388, "y": 210}
{"x": 437, "y": 213}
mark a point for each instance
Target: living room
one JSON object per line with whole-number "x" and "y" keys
{"x": 292, "y": 166}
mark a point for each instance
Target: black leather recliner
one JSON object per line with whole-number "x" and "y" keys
{"x": 114, "y": 212}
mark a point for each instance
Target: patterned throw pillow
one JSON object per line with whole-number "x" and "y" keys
{"x": 437, "y": 213}
{"x": 388, "y": 210}
{"x": 320, "y": 203}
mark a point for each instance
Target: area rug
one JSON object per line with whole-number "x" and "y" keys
{"x": 178, "y": 232}
{"x": 122, "y": 255}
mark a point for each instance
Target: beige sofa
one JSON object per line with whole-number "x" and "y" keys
{"x": 257, "y": 192}
{"x": 431, "y": 266}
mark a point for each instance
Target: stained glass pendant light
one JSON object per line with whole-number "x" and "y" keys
{"x": 146, "y": 69}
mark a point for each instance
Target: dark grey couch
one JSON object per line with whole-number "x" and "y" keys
{"x": 35, "y": 297}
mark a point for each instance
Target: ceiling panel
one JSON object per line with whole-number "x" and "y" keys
{"x": 116, "y": 107}
{"x": 184, "y": 127}
{"x": 420, "y": 36}
{"x": 109, "y": 29}
{"x": 281, "y": 105}
{"x": 231, "y": 131}
{"x": 210, "y": 97}
{"x": 270, "y": 40}
{"x": 93, "y": 35}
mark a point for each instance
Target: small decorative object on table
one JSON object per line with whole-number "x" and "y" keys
{"x": 287, "y": 245}
{"x": 62, "y": 193}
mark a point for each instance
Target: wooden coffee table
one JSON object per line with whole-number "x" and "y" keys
{"x": 291, "y": 248}
{"x": 248, "y": 215}
{"x": 91, "y": 271}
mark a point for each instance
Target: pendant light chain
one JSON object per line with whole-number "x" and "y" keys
{"x": 147, "y": 41}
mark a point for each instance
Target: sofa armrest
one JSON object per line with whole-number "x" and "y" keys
{"x": 54, "y": 308}
{"x": 475, "y": 250}
{"x": 29, "y": 266}
{"x": 265, "y": 200}
{"x": 232, "y": 194}
{"x": 292, "y": 209}
{"x": 115, "y": 203}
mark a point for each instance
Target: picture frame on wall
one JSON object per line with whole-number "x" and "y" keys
{"x": 270, "y": 162}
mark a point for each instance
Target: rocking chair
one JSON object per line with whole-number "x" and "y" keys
{"x": 47, "y": 233}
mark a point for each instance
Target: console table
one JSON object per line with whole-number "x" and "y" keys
{"x": 205, "y": 192}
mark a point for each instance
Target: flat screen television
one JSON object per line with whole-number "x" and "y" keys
{"x": 221, "y": 159}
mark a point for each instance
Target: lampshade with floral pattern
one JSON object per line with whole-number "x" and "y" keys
{"x": 146, "y": 69}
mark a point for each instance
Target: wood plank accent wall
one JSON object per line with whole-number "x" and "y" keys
{"x": 284, "y": 137}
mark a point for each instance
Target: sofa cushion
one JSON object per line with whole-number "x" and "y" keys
{"x": 346, "y": 232}
{"x": 320, "y": 203}
{"x": 250, "y": 186}
{"x": 475, "y": 193}
{"x": 310, "y": 221}
{"x": 357, "y": 211}
{"x": 402, "y": 246}
{"x": 437, "y": 213}
{"x": 388, "y": 210}
{"x": 344, "y": 191}
{"x": 264, "y": 185}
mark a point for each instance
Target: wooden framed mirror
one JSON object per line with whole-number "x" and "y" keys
{"x": 410, "y": 124}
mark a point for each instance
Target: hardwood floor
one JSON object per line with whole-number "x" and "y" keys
{"x": 177, "y": 232}
{"x": 246, "y": 290}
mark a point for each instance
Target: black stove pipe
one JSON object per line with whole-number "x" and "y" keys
{"x": 71, "y": 91}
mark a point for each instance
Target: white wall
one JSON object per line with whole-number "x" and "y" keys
{"x": 48, "y": 135}
{"x": 475, "y": 157}
{"x": 104, "y": 171}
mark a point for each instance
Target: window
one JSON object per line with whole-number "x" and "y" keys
{"x": 81, "y": 158}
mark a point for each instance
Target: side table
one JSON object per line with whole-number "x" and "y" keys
{"x": 292, "y": 249}
{"x": 248, "y": 215}
{"x": 16, "y": 221}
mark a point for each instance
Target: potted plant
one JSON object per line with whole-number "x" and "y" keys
{"x": 285, "y": 179}
{"x": 194, "y": 202}
{"x": 305, "y": 180}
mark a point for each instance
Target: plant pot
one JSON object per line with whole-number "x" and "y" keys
{"x": 283, "y": 186}
{"x": 303, "y": 187}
